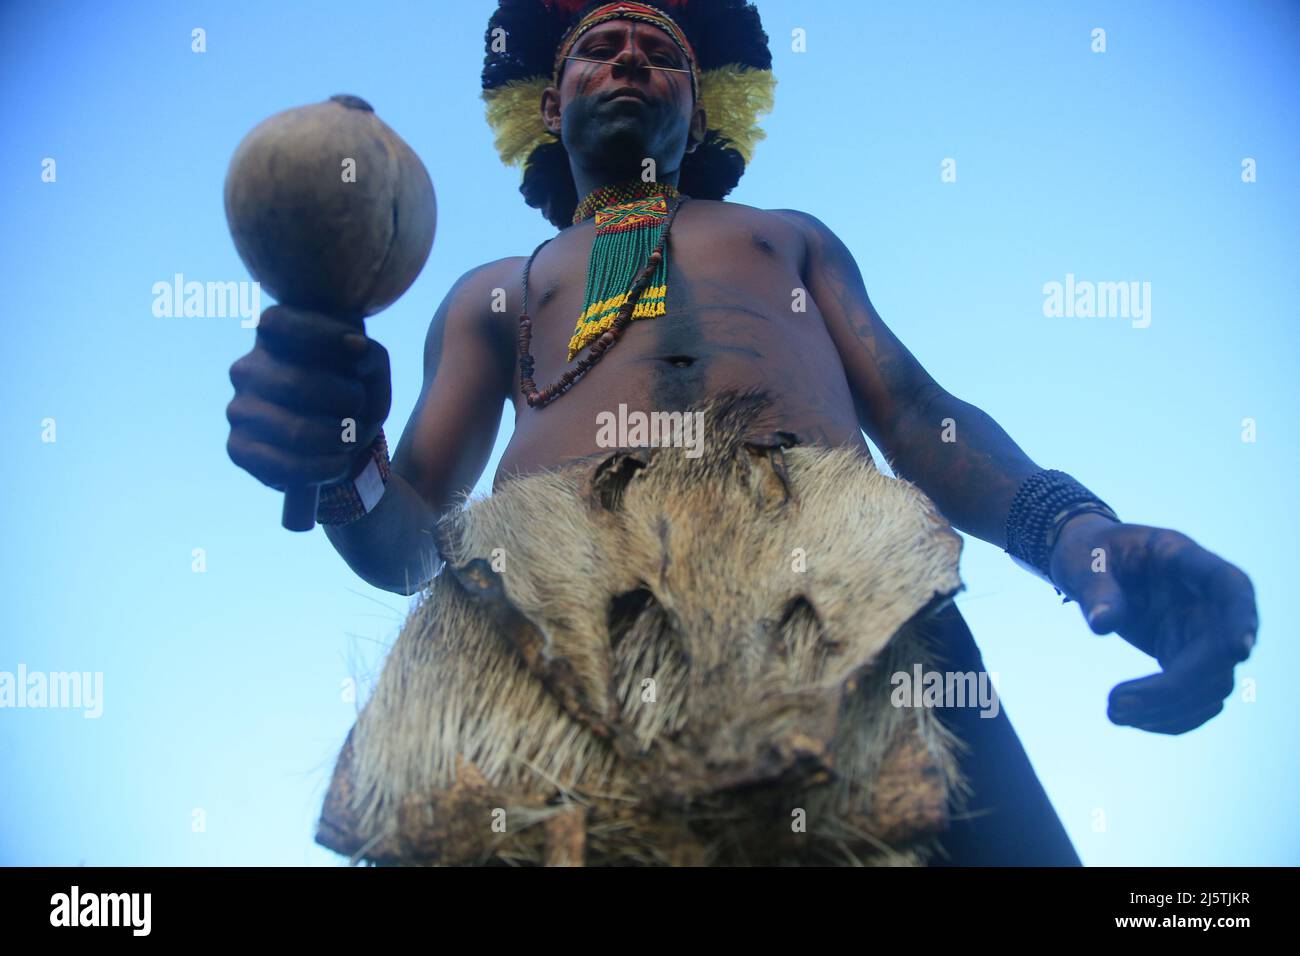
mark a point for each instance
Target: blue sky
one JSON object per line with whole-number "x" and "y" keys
{"x": 223, "y": 690}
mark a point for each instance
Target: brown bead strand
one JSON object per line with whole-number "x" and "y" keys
{"x": 540, "y": 398}
{"x": 525, "y": 336}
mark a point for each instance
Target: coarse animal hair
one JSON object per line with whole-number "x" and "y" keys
{"x": 623, "y": 659}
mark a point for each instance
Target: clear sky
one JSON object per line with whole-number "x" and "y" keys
{"x": 224, "y": 698}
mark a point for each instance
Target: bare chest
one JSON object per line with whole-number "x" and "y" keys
{"x": 721, "y": 259}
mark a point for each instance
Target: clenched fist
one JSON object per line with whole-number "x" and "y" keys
{"x": 310, "y": 398}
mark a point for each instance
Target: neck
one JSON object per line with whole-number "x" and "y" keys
{"x": 588, "y": 181}
{"x": 603, "y": 197}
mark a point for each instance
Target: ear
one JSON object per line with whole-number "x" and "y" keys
{"x": 699, "y": 126}
{"x": 551, "y": 113}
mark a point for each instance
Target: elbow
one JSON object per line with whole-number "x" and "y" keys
{"x": 929, "y": 404}
{"x": 897, "y": 423}
{"x": 406, "y": 581}
{"x": 925, "y": 413}
{"x": 412, "y": 580}
{"x": 407, "y": 587}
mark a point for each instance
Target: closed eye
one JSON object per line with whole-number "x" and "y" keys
{"x": 604, "y": 52}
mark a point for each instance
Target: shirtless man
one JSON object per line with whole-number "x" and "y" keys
{"x": 835, "y": 370}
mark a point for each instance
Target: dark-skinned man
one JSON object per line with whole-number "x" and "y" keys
{"x": 629, "y": 90}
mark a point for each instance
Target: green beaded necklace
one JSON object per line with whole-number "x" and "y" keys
{"x": 630, "y": 221}
{"x": 632, "y": 224}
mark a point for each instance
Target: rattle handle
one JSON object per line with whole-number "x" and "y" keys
{"x": 300, "y": 507}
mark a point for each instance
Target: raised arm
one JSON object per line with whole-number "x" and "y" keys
{"x": 308, "y": 376}
{"x": 447, "y": 440}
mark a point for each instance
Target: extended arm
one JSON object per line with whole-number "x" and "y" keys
{"x": 1161, "y": 591}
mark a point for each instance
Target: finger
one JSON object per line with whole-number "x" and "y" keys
{"x": 314, "y": 391}
{"x": 281, "y": 469}
{"x": 372, "y": 359}
{"x": 1194, "y": 694}
{"x": 1231, "y": 593}
{"x": 284, "y": 428}
{"x": 1185, "y": 722}
{"x": 1193, "y": 678}
{"x": 310, "y": 337}
{"x": 1103, "y": 604}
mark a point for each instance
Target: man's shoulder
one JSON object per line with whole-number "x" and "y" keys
{"x": 804, "y": 220}
{"x": 491, "y": 273}
{"x": 729, "y": 207}
{"x": 479, "y": 284}
{"x": 800, "y": 220}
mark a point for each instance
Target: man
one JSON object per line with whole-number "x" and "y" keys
{"x": 717, "y": 300}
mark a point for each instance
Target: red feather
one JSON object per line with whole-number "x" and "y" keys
{"x": 567, "y": 7}
{"x": 571, "y": 7}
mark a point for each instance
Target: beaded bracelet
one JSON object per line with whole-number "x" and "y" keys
{"x": 345, "y": 501}
{"x": 1046, "y": 501}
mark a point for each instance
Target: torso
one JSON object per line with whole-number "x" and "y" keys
{"x": 731, "y": 323}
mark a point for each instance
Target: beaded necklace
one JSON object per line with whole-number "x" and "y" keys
{"x": 630, "y": 219}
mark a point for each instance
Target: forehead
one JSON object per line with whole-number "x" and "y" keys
{"x": 618, "y": 29}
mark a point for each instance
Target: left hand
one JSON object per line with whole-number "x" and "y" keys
{"x": 1169, "y": 597}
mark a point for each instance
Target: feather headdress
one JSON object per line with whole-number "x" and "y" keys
{"x": 732, "y": 73}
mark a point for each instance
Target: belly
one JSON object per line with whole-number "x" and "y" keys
{"x": 675, "y": 363}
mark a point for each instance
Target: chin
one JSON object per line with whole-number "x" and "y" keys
{"x": 618, "y": 143}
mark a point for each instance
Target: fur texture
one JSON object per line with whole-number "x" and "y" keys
{"x": 676, "y": 661}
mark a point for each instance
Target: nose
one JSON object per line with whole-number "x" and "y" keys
{"x": 631, "y": 61}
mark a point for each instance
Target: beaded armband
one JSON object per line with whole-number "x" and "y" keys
{"x": 345, "y": 501}
{"x": 1045, "y": 502}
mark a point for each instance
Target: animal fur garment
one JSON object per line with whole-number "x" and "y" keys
{"x": 676, "y": 660}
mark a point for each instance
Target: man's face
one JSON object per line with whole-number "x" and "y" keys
{"x": 614, "y": 114}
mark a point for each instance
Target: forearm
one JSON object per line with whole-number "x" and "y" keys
{"x": 393, "y": 547}
{"x": 963, "y": 460}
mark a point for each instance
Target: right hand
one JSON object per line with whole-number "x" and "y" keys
{"x": 304, "y": 376}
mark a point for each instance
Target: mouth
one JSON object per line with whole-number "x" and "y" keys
{"x": 625, "y": 92}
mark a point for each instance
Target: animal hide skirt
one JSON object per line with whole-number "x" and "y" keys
{"x": 661, "y": 658}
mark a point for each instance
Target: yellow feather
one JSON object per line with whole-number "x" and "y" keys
{"x": 514, "y": 113}
{"x": 733, "y": 98}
